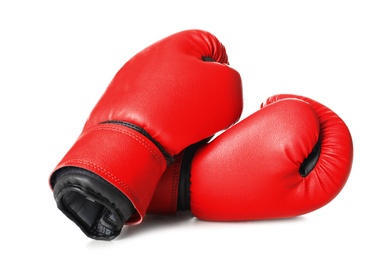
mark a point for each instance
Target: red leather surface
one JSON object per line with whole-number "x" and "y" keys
{"x": 165, "y": 197}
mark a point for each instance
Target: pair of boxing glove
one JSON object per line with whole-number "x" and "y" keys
{"x": 146, "y": 147}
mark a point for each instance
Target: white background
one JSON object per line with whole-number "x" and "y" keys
{"x": 57, "y": 57}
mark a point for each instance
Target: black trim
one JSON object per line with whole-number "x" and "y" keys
{"x": 309, "y": 163}
{"x": 207, "y": 58}
{"x": 97, "y": 207}
{"x": 183, "y": 200}
{"x": 169, "y": 159}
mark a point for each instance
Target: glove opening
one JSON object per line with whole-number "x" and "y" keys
{"x": 98, "y": 208}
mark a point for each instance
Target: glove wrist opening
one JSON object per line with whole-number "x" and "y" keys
{"x": 98, "y": 208}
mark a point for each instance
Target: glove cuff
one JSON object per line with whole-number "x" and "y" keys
{"x": 97, "y": 207}
{"x": 122, "y": 157}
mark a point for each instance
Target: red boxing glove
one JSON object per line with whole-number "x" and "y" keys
{"x": 291, "y": 157}
{"x": 170, "y": 95}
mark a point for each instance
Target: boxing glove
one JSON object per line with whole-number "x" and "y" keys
{"x": 291, "y": 157}
{"x": 173, "y": 93}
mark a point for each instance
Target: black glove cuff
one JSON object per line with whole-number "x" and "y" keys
{"x": 97, "y": 207}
